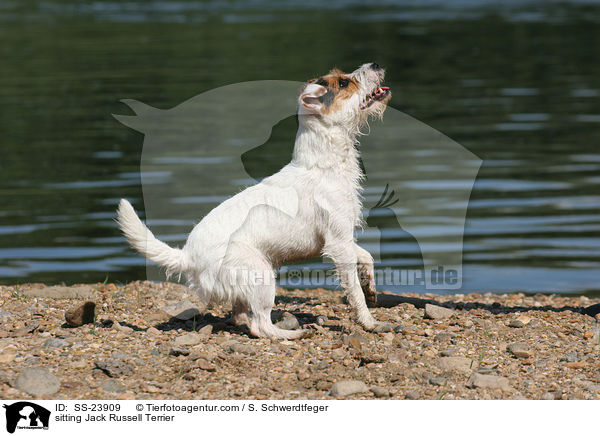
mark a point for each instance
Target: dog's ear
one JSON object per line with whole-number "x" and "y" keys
{"x": 309, "y": 98}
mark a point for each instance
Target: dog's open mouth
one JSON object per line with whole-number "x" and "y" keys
{"x": 377, "y": 94}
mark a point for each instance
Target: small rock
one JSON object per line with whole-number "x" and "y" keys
{"x": 242, "y": 349}
{"x": 437, "y": 380}
{"x": 114, "y": 367}
{"x": 33, "y": 361}
{"x": 7, "y": 357}
{"x": 570, "y": 357}
{"x": 488, "y": 381}
{"x": 5, "y": 316}
{"x": 576, "y": 365}
{"x": 354, "y": 343}
{"x": 112, "y": 386}
{"x": 388, "y": 338}
{"x": 122, "y": 328}
{"x": 288, "y": 322}
{"x": 205, "y": 365}
{"x": 37, "y": 381}
{"x": 413, "y": 395}
{"x": 348, "y": 387}
{"x": 56, "y": 343}
{"x": 153, "y": 331}
{"x": 188, "y": 339}
{"x": 80, "y": 315}
{"x": 515, "y": 323}
{"x": 184, "y": 310}
{"x": 29, "y": 328}
{"x": 206, "y": 330}
{"x": 520, "y": 350}
{"x": 461, "y": 364}
{"x": 547, "y": 396}
{"x": 396, "y": 356}
{"x": 179, "y": 351}
{"x": 383, "y": 327}
{"x": 321, "y": 319}
{"x": 437, "y": 312}
{"x": 380, "y": 392}
{"x": 588, "y": 334}
{"x": 443, "y": 337}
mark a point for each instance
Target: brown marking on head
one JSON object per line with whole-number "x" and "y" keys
{"x": 340, "y": 87}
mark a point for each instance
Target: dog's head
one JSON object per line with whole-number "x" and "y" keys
{"x": 345, "y": 99}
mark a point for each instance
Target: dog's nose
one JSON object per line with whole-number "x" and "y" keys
{"x": 375, "y": 66}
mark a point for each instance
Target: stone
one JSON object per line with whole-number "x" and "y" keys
{"x": 184, "y": 310}
{"x": 122, "y": 328}
{"x": 437, "y": 380}
{"x": 112, "y": 386}
{"x": 206, "y": 330}
{"x": 321, "y": 320}
{"x": 547, "y": 396}
{"x": 80, "y": 315}
{"x": 412, "y": 395}
{"x": 5, "y": 316}
{"x": 348, "y": 387}
{"x": 288, "y": 322}
{"x": 37, "y": 381}
{"x": 460, "y": 364}
{"x": 205, "y": 365}
{"x": 179, "y": 351}
{"x": 241, "y": 348}
{"x": 188, "y": 339}
{"x": 29, "y": 328}
{"x": 443, "y": 337}
{"x": 33, "y": 361}
{"x": 380, "y": 392}
{"x": 515, "y": 323}
{"x": 114, "y": 367}
{"x": 433, "y": 311}
{"x": 383, "y": 327}
{"x": 570, "y": 357}
{"x": 520, "y": 350}
{"x": 7, "y": 357}
{"x": 153, "y": 331}
{"x": 86, "y": 292}
{"x": 56, "y": 343}
{"x": 477, "y": 380}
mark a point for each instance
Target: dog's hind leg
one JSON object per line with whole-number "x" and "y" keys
{"x": 261, "y": 300}
{"x": 366, "y": 275}
{"x": 240, "y": 313}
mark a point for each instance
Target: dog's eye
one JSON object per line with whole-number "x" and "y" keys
{"x": 343, "y": 83}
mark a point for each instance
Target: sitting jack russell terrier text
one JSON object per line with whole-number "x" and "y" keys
{"x": 309, "y": 208}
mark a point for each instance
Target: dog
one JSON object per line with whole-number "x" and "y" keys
{"x": 307, "y": 209}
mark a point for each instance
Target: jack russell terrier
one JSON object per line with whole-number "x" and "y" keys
{"x": 309, "y": 208}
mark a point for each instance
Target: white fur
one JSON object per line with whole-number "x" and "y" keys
{"x": 307, "y": 209}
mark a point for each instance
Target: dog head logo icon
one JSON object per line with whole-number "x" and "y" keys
{"x": 26, "y": 415}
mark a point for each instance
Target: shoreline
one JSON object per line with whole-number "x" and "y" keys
{"x": 157, "y": 341}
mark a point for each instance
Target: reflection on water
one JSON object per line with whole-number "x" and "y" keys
{"x": 516, "y": 83}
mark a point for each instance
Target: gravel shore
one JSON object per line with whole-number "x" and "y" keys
{"x": 156, "y": 341}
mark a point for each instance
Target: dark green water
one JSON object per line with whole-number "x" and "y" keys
{"x": 518, "y": 84}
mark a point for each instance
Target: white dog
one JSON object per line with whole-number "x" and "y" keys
{"x": 307, "y": 209}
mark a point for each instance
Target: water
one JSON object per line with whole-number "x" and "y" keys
{"x": 517, "y": 84}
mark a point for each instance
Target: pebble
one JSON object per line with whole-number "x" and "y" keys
{"x": 520, "y": 350}
{"x": 461, "y": 364}
{"x": 184, "y": 310}
{"x": 112, "y": 386}
{"x": 188, "y": 339}
{"x": 241, "y": 348}
{"x": 205, "y": 365}
{"x": 7, "y": 357}
{"x": 380, "y": 392}
{"x": 348, "y": 387}
{"x": 388, "y": 338}
{"x": 80, "y": 315}
{"x": 56, "y": 343}
{"x": 153, "y": 331}
{"x": 515, "y": 323}
{"x": 37, "y": 381}
{"x": 477, "y": 380}
{"x": 206, "y": 330}
{"x": 5, "y": 316}
{"x": 437, "y": 380}
{"x": 114, "y": 367}
{"x": 122, "y": 328}
{"x": 179, "y": 351}
{"x": 443, "y": 337}
{"x": 412, "y": 395}
{"x": 570, "y": 357}
{"x": 288, "y": 322}
{"x": 433, "y": 311}
{"x": 321, "y": 320}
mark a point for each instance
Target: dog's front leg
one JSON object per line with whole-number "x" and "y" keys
{"x": 344, "y": 256}
{"x": 366, "y": 274}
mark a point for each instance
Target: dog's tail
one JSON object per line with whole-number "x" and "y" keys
{"x": 142, "y": 239}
